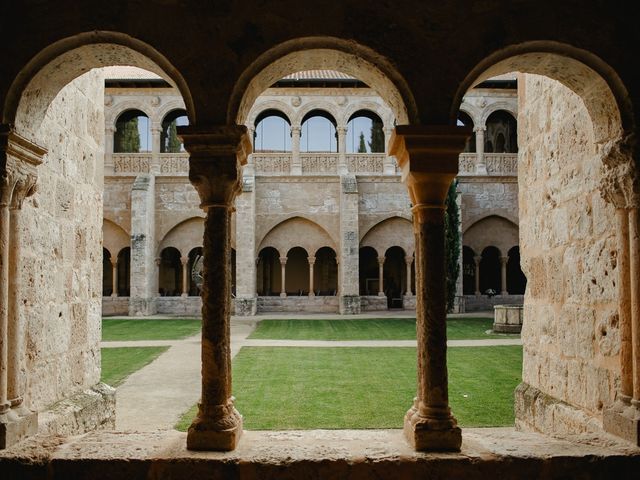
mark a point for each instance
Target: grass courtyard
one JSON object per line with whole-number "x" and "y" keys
{"x": 306, "y": 388}
{"x": 122, "y": 329}
{"x": 119, "y": 363}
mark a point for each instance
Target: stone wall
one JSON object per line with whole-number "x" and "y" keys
{"x": 115, "y": 306}
{"x": 62, "y": 256}
{"x": 567, "y": 232}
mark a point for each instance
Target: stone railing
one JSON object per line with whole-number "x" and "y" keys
{"x": 131, "y": 162}
{"x": 366, "y": 162}
{"x": 499, "y": 164}
{"x": 174, "y": 163}
{"x": 319, "y": 163}
{"x": 272, "y": 163}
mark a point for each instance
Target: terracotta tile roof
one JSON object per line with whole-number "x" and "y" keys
{"x": 319, "y": 75}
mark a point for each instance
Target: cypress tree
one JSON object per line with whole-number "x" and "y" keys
{"x": 452, "y": 244}
{"x": 377, "y": 138}
{"x": 128, "y": 137}
{"x": 362, "y": 148}
{"x": 174, "y": 144}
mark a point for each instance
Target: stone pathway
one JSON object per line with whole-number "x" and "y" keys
{"x": 154, "y": 397}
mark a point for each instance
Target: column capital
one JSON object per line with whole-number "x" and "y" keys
{"x": 216, "y": 156}
{"x": 311, "y": 260}
{"x": 381, "y": 260}
{"x": 477, "y": 259}
{"x": 408, "y": 259}
{"x": 184, "y": 260}
{"x": 19, "y": 159}
{"x": 480, "y": 128}
{"x": 283, "y": 260}
{"x": 504, "y": 260}
{"x": 158, "y": 261}
{"x": 342, "y": 130}
{"x": 114, "y": 263}
{"x": 296, "y": 129}
{"x": 428, "y": 158}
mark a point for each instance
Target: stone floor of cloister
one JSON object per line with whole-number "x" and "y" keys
{"x": 151, "y": 400}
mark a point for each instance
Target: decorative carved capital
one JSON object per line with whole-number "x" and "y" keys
{"x": 295, "y": 130}
{"x": 428, "y": 158}
{"x": 381, "y": 260}
{"x": 19, "y": 159}
{"x": 312, "y": 261}
{"x": 216, "y": 156}
{"x": 477, "y": 259}
{"x": 342, "y": 131}
{"x": 184, "y": 260}
{"x": 283, "y": 260}
{"x": 504, "y": 260}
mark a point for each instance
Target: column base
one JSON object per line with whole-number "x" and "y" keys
{"x": 246, "y": 306}
{"x": 349, "y": 304}
{"x": 15, "y": 428}
{"x": 220, "y": 434}
{"x": 139, "y": 306}
{"x": 622, "y": 419}
{"x": 283, "y": 295}
{"x": 432, "y": 435}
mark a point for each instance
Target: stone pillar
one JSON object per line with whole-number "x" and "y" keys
{"x": 624, "y": 309}
{"x": 477, "y": 259}
{"x": 408, "y": 260}
{"x": 296, "y": 163}
{"x": 503, "y": 275}
{"x": 154, "y": 164}
{"x": 348, "y": 256}
{"x": 185, "y": 276}
{"x": 381, "y": 276}
{"x": 246, "y": 267}
{"x": 428, "y": 158}
{"x": 481, "y": 167}
{"x": 283, "y": 271}
{"x": 216, "y": 156}
{"x": 389, "y": 164}
{"x": 157, "y": 281}
{"x": 19, "y": 159}
{"x": 342, "y": 150}
{"x": 114, "y": 276}
{"x": 109, "y": 132}
{"x": 312, "y": 261}
{"x": 634, "y": 260}
{"x": 143, "y": 298}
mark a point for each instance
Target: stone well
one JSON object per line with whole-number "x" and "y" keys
{"x": 507, "y": 318}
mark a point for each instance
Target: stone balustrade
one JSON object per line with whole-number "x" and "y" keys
{"x": 497, "y": 164}
{"x": 319, "y": 163}
{"x": 174, "y": 163}
{"x": 131, "y": 163}
{"x": 366, "y": 162}
{"x": 272, "y": 163}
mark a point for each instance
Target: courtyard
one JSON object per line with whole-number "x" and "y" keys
{"x": 309, "y": 372}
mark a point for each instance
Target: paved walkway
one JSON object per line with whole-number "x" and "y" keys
{"x": 154, "y": 397}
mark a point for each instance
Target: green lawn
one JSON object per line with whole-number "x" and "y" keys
{"x": 114, "y": 329}
{"x": 369, "y": 329}
{"x": 119, "y": 363}
{"x": 306, "y": 388}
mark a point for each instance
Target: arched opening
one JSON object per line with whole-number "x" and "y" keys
{"x": 365, "y": 133}
{"x": 490, "y": 271}
{"x": 395, "y": 275}
{"x": 502, "y": 133}
{"x": 124, "y": 269}
{"x": 169, "y": 141}
{"x": 194, "y": 260}
{"x": 368, "y": 271}
{"x": 107, "y": 273}
{"x": 170, "y": 271}
{"x": 318, "y": 132}
{"x": 516, "y": 280}
{"x": 133, "y": 133}
{"x": 269, "y": 279}
{"x": 468, "y": 271}
{"x": 325, "y": 272}
{"x": 465, "y": 120}
{"x": 297, "y": 272}
{"x": 272, "y": 132}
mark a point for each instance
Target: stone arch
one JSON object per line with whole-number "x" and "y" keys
{"x": 297, "y": 232}
{"x": 596, "y": 83}
{"x": 114, "y": 237}
{"x": 321, "y": 105}
{"x": 492, "y": 230}
{"x": 381, "y": 111}
{"x": 121, "y": 107}
{"x": 322, "y": 53}
{"x": 38, "y": 83}
{"x": 261, "y": 106}
{"x": 162, "y": 111}
{"x": 507, "y": 107}
{"x": 391, "y": 232}
{"x": 184, "y": 236}
{"x": 472, "y": 111}
{"x": 503, "y": 213}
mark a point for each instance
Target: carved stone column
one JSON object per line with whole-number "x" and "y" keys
{"x": 503, "y": 275}
{"x": 114, "y": 276}
{"x": 389, "y": 164}
{"x": 185, "y": 278}
{"x": 216, "y": 156}
{"x": 157, "y": 285}
{"x": 381, "y": 276}
{"x": 296, "y": 163}
{"x": 312, "y": 261}
{"x": 481, "y": 167}
{"x": 342, "y": 151}
{"x": 19, "y": 159}
{"x": 477, "y": 259}
{"x": 283, "y": 272}
{"x": 109, "y": 132}
{"x": 428, "y": 158}
{"x": 156, "y": 136}
{"x": 408, "y": 260}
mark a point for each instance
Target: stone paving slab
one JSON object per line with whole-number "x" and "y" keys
{"x": 320, "y": 454}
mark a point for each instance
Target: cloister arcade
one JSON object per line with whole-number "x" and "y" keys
{"x": 577, "y": 216}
